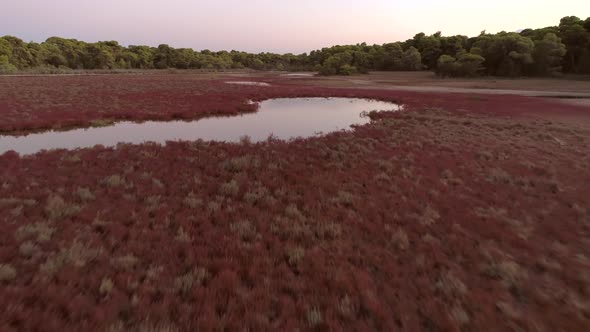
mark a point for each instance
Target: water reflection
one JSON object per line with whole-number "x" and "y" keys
{"x": 248, "y": 83}
{"x": 284, "y": 118}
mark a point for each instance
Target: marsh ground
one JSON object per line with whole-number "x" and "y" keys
{"x": 464, "y": 212}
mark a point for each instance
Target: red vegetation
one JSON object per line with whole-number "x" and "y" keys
{"x": 28, "y": 103}
{"x": 426, "y": 220}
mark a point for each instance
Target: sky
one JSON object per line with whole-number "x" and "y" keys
{"x": 282, "y": 26}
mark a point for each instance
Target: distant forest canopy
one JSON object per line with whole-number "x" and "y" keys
{"x": 548, "y": 51}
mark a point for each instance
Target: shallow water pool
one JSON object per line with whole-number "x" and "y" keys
{"x": 284, "y": 118}
{"x": 248, "y": 83}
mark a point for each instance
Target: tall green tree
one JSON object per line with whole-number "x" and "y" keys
{"x": 72, "y": 50}
{"x": 411, "y": 59}
{"x": 548, "y": 55}
{"x": 576, "y": 39}
{"x": 20, "y": 56}
{"x": 506, "y": 53}
{"x": 98, "y": 56}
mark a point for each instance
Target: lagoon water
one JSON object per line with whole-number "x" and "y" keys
{"x": 248, "y": 83}
{"x": 284, "y": 118}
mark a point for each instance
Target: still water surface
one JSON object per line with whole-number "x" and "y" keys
{"x": 284, "y": 118}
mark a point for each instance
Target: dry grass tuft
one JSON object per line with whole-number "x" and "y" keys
{"x": 126, "y": 262}
{"x": 185, "y": 283}
{"x": 245, "y": 230}
{"x": 293, "y": 212}
{"x": 295, "y": 255}
{"x": 77, "y": 254}
{"x": 255, "y": 195}
{"x": 230, "y": 189}
{"x": 508, "y": 310}
{"x": 450, "y": 285}
{"x": 41, "y": 230}
{"x": 106, "y": 286}
{"x": 213, "y": 206}
{"x": 192, "y": 201}
{"x": 16, "y": 201}
{"x": 509, "y": 272}
{"x": 182, "y": 236}
{"x": 344, "y": 198}
{"x": 143, "y": 327}
{"x": 314, "y": 317}
{"x": 239, "y": 164}
{"x": 429, "y": 216}
{"x": 56, "y": 208}
{"x": 28, "y": 249}
{"x": 113, "y": 181}
{"x": 328, "y": 230}
{"x": 85, "y": 195}
{"x": 459, "y": 315}
{"x": 345, "y": 307}
{"x": 7, "y": 272}
{"x": 400, "y": 239}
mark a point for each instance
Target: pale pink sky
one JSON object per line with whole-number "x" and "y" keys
{"x": 273, "y": 25}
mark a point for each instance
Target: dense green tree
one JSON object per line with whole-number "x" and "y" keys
{"x": 539, "y": 34}
{"x": 141, "y": 57}
{"x": 576, "y": 39}
{"x": 98, "y": 56}
{"x": 466, "y": 64}
{"x": 71, "y": 50}
{"x": 338, "y": 64}
{"x": 20, "y": 56}
{"x": 53, "y": 56}
{"x": 430, "y": 49}
{"x": 411, "y": 59}
{"x": 163, "y": 57}
{"x": 470, "y": 63}
{"x": 388, "y": 57}
{"x": 548, "y": 55}
{"x": 447, "y": 66}
{"x": 506, "y": 53}
{"x": 5, "y": 65}
{"x": 5, "y": 47}
{"x": 530, "y": 52}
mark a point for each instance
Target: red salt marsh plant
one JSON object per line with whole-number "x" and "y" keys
{"x": 35, "y": 103}
{"x": 424, "y": 219}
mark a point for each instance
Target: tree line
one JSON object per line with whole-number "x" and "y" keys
{"x": 547, "y": 51}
